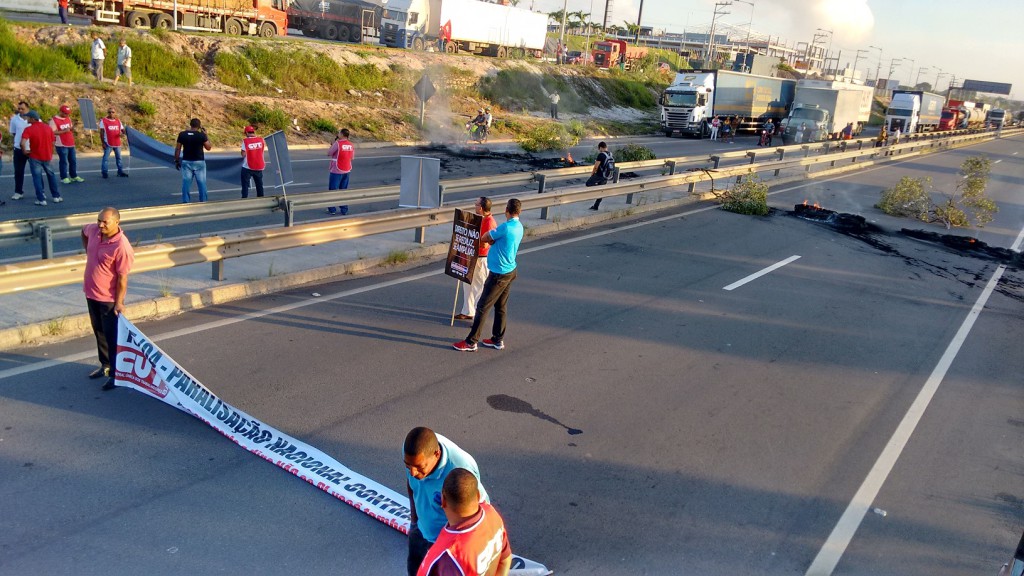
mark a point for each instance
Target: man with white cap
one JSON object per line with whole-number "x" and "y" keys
{"x": 63, "y": 129}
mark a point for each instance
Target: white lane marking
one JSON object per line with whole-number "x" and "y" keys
{"x": 828, "y": 557}
{"x": 28, "y": 368}
{"x": 998, "y": 161}
{"x": 760, "y": 273}
{"x": 1018, "y": 241}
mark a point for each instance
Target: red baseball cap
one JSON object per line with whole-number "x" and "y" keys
{"x": 250, "y": 130}
{"x": 65, "y": 110}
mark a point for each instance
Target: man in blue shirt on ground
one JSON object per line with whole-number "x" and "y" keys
{"x": 501, "y": 261}
{"x": 429, "y": 457}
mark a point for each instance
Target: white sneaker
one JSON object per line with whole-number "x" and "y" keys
{"x": 40, "y": 202}
{"x": 17, "y": 197}
{"x": 58, "y": 199}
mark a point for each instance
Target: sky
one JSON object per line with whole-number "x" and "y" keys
{"x": 979, "y": 44}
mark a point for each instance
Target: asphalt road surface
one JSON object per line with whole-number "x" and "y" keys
{"x": 643, "y": 419}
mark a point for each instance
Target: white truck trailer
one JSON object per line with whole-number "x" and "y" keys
{"x": 474, "y": 26}
{"x": 822, "y": 108}
{"x": 914, "y": 111}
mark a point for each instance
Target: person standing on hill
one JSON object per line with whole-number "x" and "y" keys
{"x": 554, "y": 104}
{"x": 124, "y": 62}
{"x": 342, "y": 152}
{"x": 64, "y": 128}
{"x": 111, "y": 131}
{"x": 98, "y": 54}
{"x": 62, "y": 11}
{"x": 254, "y": 150}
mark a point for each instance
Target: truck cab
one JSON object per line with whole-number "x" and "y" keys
{"x": 403, "y": 24}
{"x": 607, "y": 53}
{"x": 903, "y": 113}
{"x": 686, "y": 103}
{"x": 805, "y": 123}
{"x": 996, "y": 118}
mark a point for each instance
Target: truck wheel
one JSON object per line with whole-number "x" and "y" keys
{"x": 417, "y": 44}
{"x": 705, "y": 130}
{"x": 668, "y": 133}
{"x": 233, "y": 27}
{"x": 268, "y": 30}
{"x": 162, "y": 22}
{"x": 137, "y": 20}
{"x": 343, "y": 34}
{"x": 501, "y": 52}
{"x": 355, "y": 34}
{"x": 330, "y": 32}
{"x": 451, "y": 48}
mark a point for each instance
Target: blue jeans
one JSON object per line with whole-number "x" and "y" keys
{"x": 338, "y": 182}
{"x": 38, "y": 167}
{"x": 66, "y": 154}
{"x": 117, "y": 159}
{"x": 193, "y": 169}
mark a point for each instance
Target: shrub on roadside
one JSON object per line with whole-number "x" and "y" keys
{"x": 909, "y": 198}
{"x": 749, "y": 196}
{"x": 258, "y": 114}
{"x": 321, "y": 125}
{"x": 547, "y": 136}
{"x": 966, "y": 205}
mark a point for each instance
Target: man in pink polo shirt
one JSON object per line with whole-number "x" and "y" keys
{"x": 109, "y": 258}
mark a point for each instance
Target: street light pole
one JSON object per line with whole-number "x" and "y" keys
{"x": 711, "y": 33}
{"x": 878, "y": 70}
{"x": 917, "y": 82}
{"x": 638, "y": 17}
{"x": 828, "y": 51}
{"x": 912, "y": 62}
{"x": 565, "y": 6}
{"x": 855, "y": 60}
{"x": 750, "y": 24}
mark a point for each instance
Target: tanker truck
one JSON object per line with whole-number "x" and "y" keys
{"x": 822, "y": 108}
{"x": 253, "y": 17}
{"x": 469, "y": 25}
{"x": 959, "y": 114}
{"x": 695, "y": 97}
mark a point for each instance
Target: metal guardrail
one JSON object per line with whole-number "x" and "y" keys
{"x": 39, "y": 274}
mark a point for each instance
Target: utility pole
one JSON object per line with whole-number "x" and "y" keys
{"x": 918, "y": 81}
{"x": 878, "y": 70}
{"x": 565, "y": 5}
{"x": 855, "y": 60}
{"x": 711, "y": 33}
{"x": 638, "y": 17}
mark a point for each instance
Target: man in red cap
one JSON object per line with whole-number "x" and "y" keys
{"x": 63, "y": 129}
{"x": 254, "y": 151}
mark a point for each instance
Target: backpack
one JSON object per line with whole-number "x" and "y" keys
{"x": 609, "y": 167}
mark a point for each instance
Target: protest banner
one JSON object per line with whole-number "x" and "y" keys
{"x": 462, "y": 251}
{"x": 142, "y": 366}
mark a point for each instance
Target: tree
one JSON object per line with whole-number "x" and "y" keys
{"x": 557, "y": 16}
{"x": 632, "y": 29}
{"x": 579, "y": 20}
{"x": 966, "y": 205}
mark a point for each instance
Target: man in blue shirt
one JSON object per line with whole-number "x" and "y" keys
{"x": 501, "y": 261}
{"x": 429, "y": 457}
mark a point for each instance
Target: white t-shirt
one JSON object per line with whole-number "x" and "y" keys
{"x": 124, "y": 56}
{"x": 98, "y": 49}
{"x": 555, "y": 97}
{"x": 18, "y": 125}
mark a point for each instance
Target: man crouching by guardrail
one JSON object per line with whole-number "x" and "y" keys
{"x": 108, "y": 260}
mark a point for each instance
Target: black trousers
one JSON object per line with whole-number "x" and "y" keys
{"x": 257, "y": 178}
{"x": 418, "y": 548}
{"x": 496, "y": 291}
{"x": 104, "y": 327}
{"x": 20, "y": 160}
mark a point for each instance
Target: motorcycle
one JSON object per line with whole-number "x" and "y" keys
{"x": 476, "y": 132}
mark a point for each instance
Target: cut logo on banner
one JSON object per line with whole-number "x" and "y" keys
{"x": 141, "y": 365}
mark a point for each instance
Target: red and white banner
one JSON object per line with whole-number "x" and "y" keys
{"x": 142, "y": 366}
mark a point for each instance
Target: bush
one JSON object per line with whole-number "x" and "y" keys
{"x": 909, "y": 198}
{"x": 633, "y": 153}
{"x": 145, "y": 108}
{"x": 259, "y": 115}
{"x": 750, "y": 196}
{"x": 548, "y": 136}
{"x": 321, "y": 125}
{"x": 22, "y": 62}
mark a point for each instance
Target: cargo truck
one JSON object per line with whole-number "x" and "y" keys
{"x": 695, "y": 97}
{"x": 913, "y": 111}
{"x": 471, "y": 25}
{"x": 959, "y": 114}
{"x": 344, "y": 20}
{"x": 253, "y": 17}
{"x": 822, "y": 109}
{"x": 612, "y": 53}
{"x": 996, "y": 118}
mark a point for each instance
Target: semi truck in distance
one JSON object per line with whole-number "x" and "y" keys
{"x": 695, "y": 97}
{"x": 611, "y": 53}
{"x": 253, "y": 17}
{"x": 913, "y": 111}
{"x": 344, "y": 20}
{"x": 471, "y": 26}
{"x": 960, "y": 114}
{"x": 996, "y": 118}
{"x": 823, "y": 108}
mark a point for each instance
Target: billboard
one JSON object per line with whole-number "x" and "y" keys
{"x": 989, "y": 87}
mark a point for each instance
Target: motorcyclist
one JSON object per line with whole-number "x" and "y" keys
{"x": 477, "y": 127}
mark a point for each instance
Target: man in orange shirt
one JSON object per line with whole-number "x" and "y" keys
{"x": 111, "y": 131}
{"x": 472, "y": 292}
{"x": 254, "y": 151}
{"x": 474, "y": 543}
{"x": 108, "y": 260}
{"x": 37, "y": 142}
{"x": 342, "y": 152}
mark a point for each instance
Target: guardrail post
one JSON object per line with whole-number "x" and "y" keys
{"x": 440, "y": 194}
{"x": 842, "y": 146}
{"x": 289, "y": 212}
{"x": 715, "y": 161}
{"x": 828, "y": 148}
{"x": 671, "y": 167}
{"x": 806, "y": 149}
{"x": 218, "y": 270}
{"x": 782, "y": 154}
{"x": 45, "y": 241}
{"x": 541, "y": 185}
{"x": 420, "y": 237}
{"x": 860, "y": 145}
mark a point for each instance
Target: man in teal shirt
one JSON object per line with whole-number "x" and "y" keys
{"x": 501, "y": 261}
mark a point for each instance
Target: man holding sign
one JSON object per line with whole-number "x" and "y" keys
{"x": 472, "y": 293}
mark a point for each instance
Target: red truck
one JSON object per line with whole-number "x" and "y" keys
{"x": 959, "y": 114}
{"x": 611, "y": 53}
{"x": 253, "y": 17}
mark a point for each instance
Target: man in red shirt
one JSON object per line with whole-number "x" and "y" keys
{"x": 108, "y": 260}
{"x": 111, "y": 131}
{"x": 254, "y": 150}
{"x": 37, "y": 141}
{"x": 472, "y": 292}
{"x": 64, "y": 128}
{"x": 342, "y": 152}
{"x": 474, "y": 543}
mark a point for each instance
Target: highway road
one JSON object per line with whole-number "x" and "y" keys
{"x": 660, "y": 407}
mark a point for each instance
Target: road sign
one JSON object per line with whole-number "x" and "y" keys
{"x": 989, "y": 87}
{"x": 425, "y": 88}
